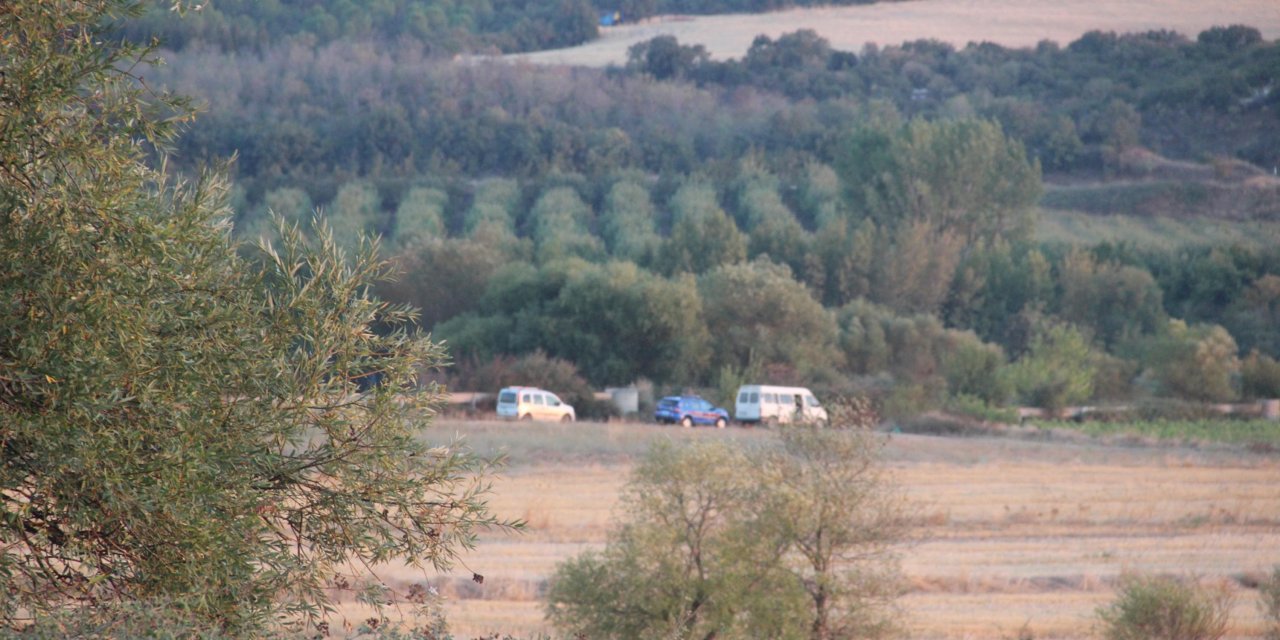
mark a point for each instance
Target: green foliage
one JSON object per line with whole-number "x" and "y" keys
{"x": 355, "y": 213}
{"x": 1196, "y": 362}
{"x": 962, "y": 178}
{"x": 800, "y": 548}
{"x": 619, "y": 321}
{"x": 561, "y": 226}
{"x": 918, "y": 349}
{"x": 420, "y": 216}
{"x": 218, "y": 441}
{"x": 1057, "y": 371}
{"x": 440, "y": 277}
{"x": 628, "y": 224}
{"x": 1117, "y": 302}
{"x": 688, "y": 560}
{"x": 703, "y": 236}
{"x": 756, "y": 310}
{"x": 1260, "y": 376}
{"x": 831, "y": 502}
{"x": 1164, "y": 608}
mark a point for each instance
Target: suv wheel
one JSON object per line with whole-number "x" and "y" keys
{"x": 686, "y": 422}
{"x": 721, "y": 423}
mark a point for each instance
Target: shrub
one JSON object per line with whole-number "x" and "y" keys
{"x": 1166, "y": 608}
{"x": 1269, "y": 591}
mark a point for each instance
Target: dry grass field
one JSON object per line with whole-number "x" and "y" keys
{"x": 1013, "y": 23}
{"x": 1010, "y": 533}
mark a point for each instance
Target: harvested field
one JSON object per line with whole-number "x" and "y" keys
{"x": 1012, "y": 23}
{"x": 1011, "y": 533}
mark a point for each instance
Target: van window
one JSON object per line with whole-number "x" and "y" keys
{"x": 507, "y": 397}
{"x": 744, "y": 397}
{"x": 811, "y": 401}
{"x": 755, "y": 398}
{"x": 538, "y": 400}
{"x": 553, "y": 401}
{"x": 527, "y": 397}
{"x": 785, "y": 398}
{"x": 770, "y": 398}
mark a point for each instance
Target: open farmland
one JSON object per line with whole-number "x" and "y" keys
{"x": 1009, "y": 532}
{"x": 1012, "y": 23}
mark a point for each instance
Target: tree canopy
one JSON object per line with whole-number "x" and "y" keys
{"x": 219, "y": 437}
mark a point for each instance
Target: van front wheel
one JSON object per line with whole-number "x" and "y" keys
{"x": 566, "y": 418}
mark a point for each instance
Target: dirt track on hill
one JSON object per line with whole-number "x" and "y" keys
{"x": 1012, "y": 23}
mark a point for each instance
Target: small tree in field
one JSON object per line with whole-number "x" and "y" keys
{"x": 186, "y": 433}
{"x": 830, "y": 502}
{"x": 792, "y": 542}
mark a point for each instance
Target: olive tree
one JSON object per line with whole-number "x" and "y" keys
{"x": 184, "y": 428}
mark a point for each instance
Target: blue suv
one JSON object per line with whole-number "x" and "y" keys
{"x": 690, "y": 410}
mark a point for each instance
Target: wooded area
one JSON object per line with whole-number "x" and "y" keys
{"x": 860, "y": 221}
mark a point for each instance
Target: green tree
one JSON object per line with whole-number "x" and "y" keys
{"x": 355, "y": 213}
{"x": 703, "y": 236}
{"x": 1197, "y": 362}
{"x": 1057, "y": 370}
{"x": 964, "y": 177}
{"x": 757, "y": 310}
{"x": 621, "y": 323}
{"x": 420, "y": 216}
{"x": 185, "y": 429}
{"x": 1117, "y": 302}
{"x": 560, "y": 221}
{"x": 829, "y": 499}
{"x": 628, "y": 224}
{"x": 688, "y": 560}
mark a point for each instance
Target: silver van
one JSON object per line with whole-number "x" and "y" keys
{"x": 767, "y": 404}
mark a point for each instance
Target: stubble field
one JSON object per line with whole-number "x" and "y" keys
{"x": 1012, "y": 23}
{"x": 1010, "y": 533}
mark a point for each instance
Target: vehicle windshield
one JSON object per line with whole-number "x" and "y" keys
{"x": 507, "y": 397}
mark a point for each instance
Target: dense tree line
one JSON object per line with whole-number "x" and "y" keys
{"x": 306, "y": 115}
{"x": 859, "y": 221}
{"x": 443, "y": 27}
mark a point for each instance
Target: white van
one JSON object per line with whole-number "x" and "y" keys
{"x": 777, "y": 405}
{"x": 532, "y": 403}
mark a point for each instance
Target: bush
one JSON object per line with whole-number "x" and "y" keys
{"x": 1166, "y": 608}
{"x": 1269, "y": 591}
